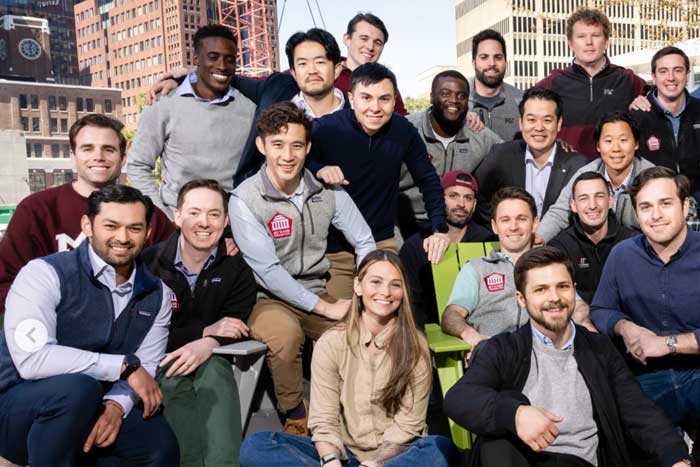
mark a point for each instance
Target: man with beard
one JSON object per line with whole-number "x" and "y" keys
{"x": 451, "y": 144}
{"x": 494, "y": 101}
{"x": 460, "y": 199}
{"x": 648, "y": 295}
{"x": 537, "y": 162}
{"x": 84, "y": 332}
{"x": 553, "y": 393}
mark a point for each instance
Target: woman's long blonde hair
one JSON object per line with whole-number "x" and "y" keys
{"x": 405, "y": 348}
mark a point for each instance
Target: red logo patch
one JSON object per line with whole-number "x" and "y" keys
{"x": 495, "y": 282}
{"x": 174, "y": 304}
{"x": 653, "y": 143}
{"x": 280, "y": 226}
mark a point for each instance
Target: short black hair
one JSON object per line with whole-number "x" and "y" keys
{"x": 670, "y": 50}
{"x": 272, "y": 120}
{"x": 367, "y": 17}
{"x": 213, "y": 30}
{"x": 613, "y": 117}
{"x": 543, "y": 94}
{"x": 590, "y": 175}
{"x": 317, "y": 35}
{"x": 371, "y": 73}
{"x": 448, "y": 74}
{"x": 122, "y": 194}
{"x": 512, "y": 192}
{"x": 538, "y": 258}
{"x": 488, "y": 34}
{"x": 653, "y": 173}
{"x": 207, "y": 183}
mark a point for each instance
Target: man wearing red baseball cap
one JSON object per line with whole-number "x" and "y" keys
{"x": 461, "y": 190}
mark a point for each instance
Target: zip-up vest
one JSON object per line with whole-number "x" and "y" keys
{"x": 85, "y": 314}
{"x": 497, "y": 310}
{"x": 299, "y": 236}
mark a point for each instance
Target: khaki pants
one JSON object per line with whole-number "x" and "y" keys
{"x": 343, "y": 269}
{"x": 283, "y": 329}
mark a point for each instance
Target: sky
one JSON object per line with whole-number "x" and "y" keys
{"x": 421, "y": 33}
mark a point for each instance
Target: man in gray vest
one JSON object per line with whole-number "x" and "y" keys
{"x": 482, "y": 303}
{"x": 84, "y": 333}
{"x": 199, "y": 130}
{"x": 280, "y": 219}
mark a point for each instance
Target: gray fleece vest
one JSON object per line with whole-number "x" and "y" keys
{"x": 299, "y": 237}
{"x": 498, "y": 310}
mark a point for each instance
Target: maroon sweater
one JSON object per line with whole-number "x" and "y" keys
{"x": 47, "y": 222}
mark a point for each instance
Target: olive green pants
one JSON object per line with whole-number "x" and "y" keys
{"x": 204, "y": 411}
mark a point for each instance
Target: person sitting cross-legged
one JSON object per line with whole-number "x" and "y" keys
{"x": 370, "y": 380}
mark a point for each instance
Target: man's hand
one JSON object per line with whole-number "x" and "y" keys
{"x": 474, "y": 122}
{"x": 334, "y": 311}
{"x": 566, "y": 146}
{"x": 231, "y": 247}
{"x": 147, "y": 389}
{"x": 106, "y": 428}
{"x": 537, "y": 240}
{"x": 536, "y": 427}
{"x": 369, "y": 463}
{"x": 332, "y": 175}
{"x": 639, "y": 340}
{"x": 435, "y": 246}
{"x": 640, "y": 103}
{"x": 226, "y": 327}
{"x": 187, "y": 358}
{"x": 165, "y": 84}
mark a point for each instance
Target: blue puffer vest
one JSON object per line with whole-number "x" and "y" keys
{"x": 85, "y": 314}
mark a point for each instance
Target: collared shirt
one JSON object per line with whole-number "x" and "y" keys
{"x": 623, "y": 186}
{"x": 346, "y": 381}
{"x": 35, "y": 294}
{"x": 674, "y": 119}
{"x": 180, "y": 265}
{"x": 186, "y": 88}
{"x": 300, "y": 102}
{"x": 537, "y": 178}
{"x": 547, "y": 341}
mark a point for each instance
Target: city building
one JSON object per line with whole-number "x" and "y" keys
{"x": 59, "y": 14}
{"x": 42, "y": 113}
{"x": 25, "y": 52}
{"x": 425, "y": 79}
{"x": 128, "y": 44}
{"x": 535, "y": 30}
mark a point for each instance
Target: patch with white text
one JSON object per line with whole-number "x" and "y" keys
{"x": 495, "y": 282}
{"x": 582, "y": 263}
{"x": 280, "y": 226}
{"x": 653, "y": 143}
{"x": 174, "y": 304}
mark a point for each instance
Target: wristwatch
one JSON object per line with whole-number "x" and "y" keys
{"x": 672, "y": 344}
{"x": 328, "y": 458}
{"x": 132, "y": 363}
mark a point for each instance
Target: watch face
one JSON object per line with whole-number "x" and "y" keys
{"x": 29, "y": 49}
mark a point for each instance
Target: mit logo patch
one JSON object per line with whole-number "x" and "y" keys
{"x": 653, "y": 143}
{"x": 280, "y": 226}
{"x": 174, "y": 304}
{"x": 495, "y": 282}
{"x": 582, "y": 263}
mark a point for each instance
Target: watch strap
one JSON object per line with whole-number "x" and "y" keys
{"x": 325, "y": 459}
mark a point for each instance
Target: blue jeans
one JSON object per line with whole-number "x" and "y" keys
{"x": 44, "y": 423}
{"x": 676, "y": 393}
{"x": 273, "y": 449}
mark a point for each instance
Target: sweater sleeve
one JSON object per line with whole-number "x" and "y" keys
{"x": 605, "y": 309}
{"x": 557, "y": 217}
{"x": 161, "y": 227}
{"x": 399, "y": 106}
{"x": 146, "y": 149}
{"x": 349, "y": 220}
{"x": 488, "y": 177}
{"x": 425, "y": 177}
{"x": 251, "y": 88}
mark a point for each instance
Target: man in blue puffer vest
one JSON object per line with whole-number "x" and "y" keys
{"x": 84, "y": 332}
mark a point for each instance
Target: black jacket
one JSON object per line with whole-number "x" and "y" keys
{"x": 657, "y": 144}
{"x": 505, "y": 166}
{"x": 589, "y": 258}
{"x": 486, "y": 398}
{"x": 226, "y": 288}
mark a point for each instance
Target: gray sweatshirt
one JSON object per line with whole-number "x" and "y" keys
{"x": 501, "y": 116}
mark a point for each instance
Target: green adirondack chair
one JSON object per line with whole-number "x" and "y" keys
{"x": 447, "y": 350}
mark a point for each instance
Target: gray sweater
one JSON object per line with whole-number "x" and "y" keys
{"x": 194, "y": 139}
{"x": 501, "y": 116}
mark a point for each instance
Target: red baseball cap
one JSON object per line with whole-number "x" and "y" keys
{"x": 450, "y": 179}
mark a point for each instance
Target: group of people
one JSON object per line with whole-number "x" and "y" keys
{"x": 307, "y": 206}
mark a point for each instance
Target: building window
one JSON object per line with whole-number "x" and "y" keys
{"x": 37, "y": 181}
{"x": 29, "y": 150}
{"x": 66, "y": 152}
{"x": 34, "y": 101}
{"x": 79, "y": 104}
{"x": 64, "y": 125}
{"x": 62, "y": 103}
{"x": 55, "y": 150}
{"x": 53, "y": 125}
{"x": 108, "y": 106}
{"x": 38, "y": 150}
{"x": 23, "y": 101}
{"x": 25, "y": 123}
{"x": 52, "y": 102}
{"x": 90, "y": 105}
{"x": 36, "y": 125}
